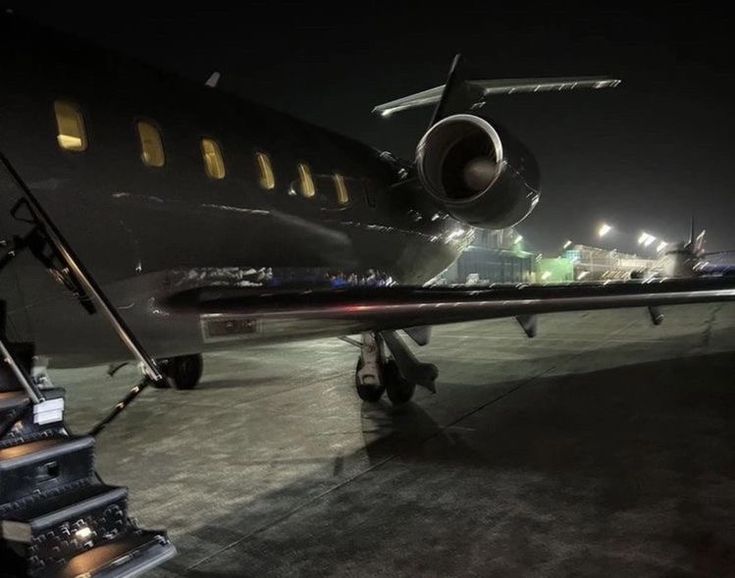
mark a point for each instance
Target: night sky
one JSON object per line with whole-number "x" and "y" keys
{"x": 642, "y": 157}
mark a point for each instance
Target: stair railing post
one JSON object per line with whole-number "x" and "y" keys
{"x": 26, "y": 381}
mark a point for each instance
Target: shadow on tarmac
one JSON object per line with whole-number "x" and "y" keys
{"x": 627, "y": 471}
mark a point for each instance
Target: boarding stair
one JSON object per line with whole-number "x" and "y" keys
{"x": 58, "y": 519}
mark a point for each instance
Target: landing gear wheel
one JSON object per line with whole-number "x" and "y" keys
{"x": 184, "y": 371}
{"x": 367, "y": 392}
{"x": 398, "y": 388}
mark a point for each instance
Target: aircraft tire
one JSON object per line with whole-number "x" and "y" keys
{"x": 369, "y": 393}
{"x": 398, "y": 388}
{"x": 184, "y": 371}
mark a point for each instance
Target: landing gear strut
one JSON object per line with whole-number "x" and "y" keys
{"x": 184, "y": 371}
{"x": 369, "y": 380}
{"x": 397, "y": 375}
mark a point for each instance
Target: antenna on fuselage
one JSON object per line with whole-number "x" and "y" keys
{"x": 213, "y": 80}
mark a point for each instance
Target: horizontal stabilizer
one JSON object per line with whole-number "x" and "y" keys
{"x": 479, "y": 90}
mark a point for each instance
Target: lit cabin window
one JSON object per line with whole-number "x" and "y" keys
{"x": 151, "y": 147}
{"x": 343, "y": 196}
{"x": 70, "y": 122}
{"x": 214, "y": 164}
{"x": 306, "y": 181}
{"x": 267, "y": 180}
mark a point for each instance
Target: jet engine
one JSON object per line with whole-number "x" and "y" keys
{"x": 477, "y": 177}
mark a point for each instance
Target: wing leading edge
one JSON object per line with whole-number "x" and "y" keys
{"x": 374, "y": 309}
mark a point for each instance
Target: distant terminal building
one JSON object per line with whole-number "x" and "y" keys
{"x": 554, "y": 270}
{"x": 493, "y": 257}
{"x": 498, "y": 257}
{"x": 597, "y": 264}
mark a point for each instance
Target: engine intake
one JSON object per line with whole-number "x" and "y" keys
{"x": 475, "y": 175}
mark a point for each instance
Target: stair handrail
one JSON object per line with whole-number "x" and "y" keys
{"x": 82, "y": 274}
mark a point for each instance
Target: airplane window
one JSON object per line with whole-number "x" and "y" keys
{"x": 343, "y": 196}
{"x": 151, "y": 147}
{"x": 267, "y": 179}
{"x": 214, "y": 164}
{"x": 70, "y": 123}
{"x": 307, "y": 182}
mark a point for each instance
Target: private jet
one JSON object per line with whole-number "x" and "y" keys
{"x": 212, "y": 221}
{"x": 188, "y": 219}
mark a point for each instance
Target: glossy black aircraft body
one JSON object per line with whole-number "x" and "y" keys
{"x": 130, "y": 221}
{"x": 189, "y": 204}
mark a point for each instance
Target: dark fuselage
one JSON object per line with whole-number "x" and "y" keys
{"x": 141, "y": 229}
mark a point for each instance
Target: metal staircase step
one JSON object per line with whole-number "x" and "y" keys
{"x": 127, "y": 556}
{"x": 83, "y": 516}
{"x": 49, "y": 532}
{"x": 43, "y": 466}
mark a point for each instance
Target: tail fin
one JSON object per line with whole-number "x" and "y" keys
{"x": 691, "y": 231}
{"x": 459, "y": 95}
{"x": 452, "y": 88}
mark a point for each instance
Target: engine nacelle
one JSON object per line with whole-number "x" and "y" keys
{"x": 475, "y": 175}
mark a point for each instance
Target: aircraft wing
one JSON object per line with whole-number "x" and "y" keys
{"x": 358, "y": 309}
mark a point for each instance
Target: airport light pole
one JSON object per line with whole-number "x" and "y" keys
{"x": 604, "y": 230}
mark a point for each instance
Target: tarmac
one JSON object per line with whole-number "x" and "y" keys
{"x": 602, "y": 447}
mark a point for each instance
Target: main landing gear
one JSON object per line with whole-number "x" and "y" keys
{"x": 397, "y": 375}
{"x": 184, "y": 371}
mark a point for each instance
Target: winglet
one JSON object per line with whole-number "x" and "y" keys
{"x": 213, "y": 80}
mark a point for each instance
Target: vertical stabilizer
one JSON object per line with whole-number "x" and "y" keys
{"x": 691, "y": 231}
